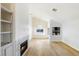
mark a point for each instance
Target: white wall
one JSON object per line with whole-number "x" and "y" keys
{"x": 70, "y": 32}
{"x": 21, "y": 27}
{"x": 21, "y": 21}
{"x": 70, "y": 25}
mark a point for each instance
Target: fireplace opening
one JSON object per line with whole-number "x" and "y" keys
{"x": 55, "y": 30}
{"x": 23, "y": 47}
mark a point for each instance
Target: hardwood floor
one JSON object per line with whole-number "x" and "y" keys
{"x": 49, "y": 48}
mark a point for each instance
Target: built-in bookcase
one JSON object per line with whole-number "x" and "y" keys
{"x": 6, "y": 23}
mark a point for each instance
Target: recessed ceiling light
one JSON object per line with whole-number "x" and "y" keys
{"x": 54, "y": 9}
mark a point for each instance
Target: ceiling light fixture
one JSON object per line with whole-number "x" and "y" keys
{"x": 54, "y": 9}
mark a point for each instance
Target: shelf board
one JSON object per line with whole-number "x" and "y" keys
{"x": 5, "y": 21}
{"x": 5, "y": 32}
{"x": 5, "y": 9}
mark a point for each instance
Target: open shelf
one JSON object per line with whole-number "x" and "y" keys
{"x": 6, "y": 7}
{"x": 5, "y": 32}
{"x": 5, "y": 27}
{"x": 6, "y": 16}
{"x": 6, "y": 38}
{"x": 6, "y": 23}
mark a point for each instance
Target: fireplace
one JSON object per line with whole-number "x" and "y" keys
{"x": 23, "y": 47}
{"x": 55, "y": 30}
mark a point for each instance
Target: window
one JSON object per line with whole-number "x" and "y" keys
{"x": 39, "y": 30}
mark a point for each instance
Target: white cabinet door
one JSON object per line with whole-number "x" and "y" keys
{"x": 8, "y": 50}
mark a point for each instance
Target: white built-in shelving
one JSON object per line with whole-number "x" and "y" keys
{"x": 6, "y": 23}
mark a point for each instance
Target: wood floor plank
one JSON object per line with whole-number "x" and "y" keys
{"x": 69, "y": 49}
{"x": 48, "y": 48}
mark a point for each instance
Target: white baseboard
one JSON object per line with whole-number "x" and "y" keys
{"x": 56, "y": 40}
{"x": 71, "y": 45}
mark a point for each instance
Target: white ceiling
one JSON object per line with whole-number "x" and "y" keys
{"x": 64, "y": 12}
